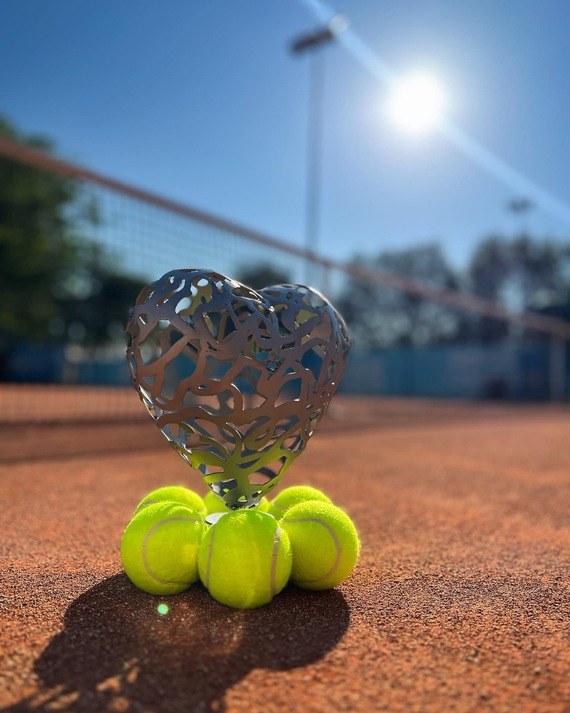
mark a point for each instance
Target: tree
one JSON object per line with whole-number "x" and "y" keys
{"x": 380, "y": 316}
{"x": 94, "y": 300}
{"x": 36, "y": 243}
{"x": 487, "y": 273}
{"x": 523, "y": 273}
{"x": 262, "y": 275}
{"x": 55, "y": 285}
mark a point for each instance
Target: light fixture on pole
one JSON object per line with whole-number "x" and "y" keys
{"x": 311, "y": 42}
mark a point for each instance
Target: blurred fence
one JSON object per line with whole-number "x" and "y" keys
{"x": 513, "y": 371}
{"x": 143, "y": 235}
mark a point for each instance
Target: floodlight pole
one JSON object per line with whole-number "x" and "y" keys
{"x": 310, "y": 43}
{"x": 520, "y": 207}
{"x": 314, "y": 156}
{"x": 557, "y": 349}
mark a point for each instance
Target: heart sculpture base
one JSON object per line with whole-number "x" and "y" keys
{"x": 236, "y": 380}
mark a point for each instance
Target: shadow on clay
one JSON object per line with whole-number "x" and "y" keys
{"x": 117, "y": 650}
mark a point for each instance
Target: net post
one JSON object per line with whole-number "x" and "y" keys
{"x": 557, "y": 368}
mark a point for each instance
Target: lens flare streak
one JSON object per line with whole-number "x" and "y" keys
{"x": 470, "y": 147}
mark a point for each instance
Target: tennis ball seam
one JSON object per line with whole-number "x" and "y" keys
{"x": 274, "y": 560}
{"x": 337, "y": 544}
{"x": 147, "y": 537}
{"x": 274, "y": 555}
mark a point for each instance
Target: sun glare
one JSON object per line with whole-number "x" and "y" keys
{"x": 417, "y": 103}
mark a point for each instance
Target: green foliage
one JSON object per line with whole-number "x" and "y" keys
{"x": 94, "y": 301}
{"x": 55, "y": 285}
{"x": 36, "y": 243}
{"x": 380, "y": 316}
{"x": 522, "y": 273}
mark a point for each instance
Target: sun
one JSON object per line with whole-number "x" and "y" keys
{"x": 417, "y": 103}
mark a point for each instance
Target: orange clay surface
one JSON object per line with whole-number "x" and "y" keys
{"x": 460, "y": 601}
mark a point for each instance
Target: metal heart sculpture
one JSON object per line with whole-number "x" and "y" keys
{"x": 235, "y": 379}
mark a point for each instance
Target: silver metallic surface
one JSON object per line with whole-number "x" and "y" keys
{"x": 236, "y": 380}
{"x": 213, "y": 517}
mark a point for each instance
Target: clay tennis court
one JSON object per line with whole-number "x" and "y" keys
{"x": 460, "y": 600}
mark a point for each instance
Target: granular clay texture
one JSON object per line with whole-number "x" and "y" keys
{"x": 460, "y": 601}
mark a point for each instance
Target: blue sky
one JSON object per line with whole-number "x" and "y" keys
{"x": 203, "y": 103}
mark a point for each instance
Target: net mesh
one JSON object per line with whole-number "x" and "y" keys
{"x": 69, "y": 364}
{"x": 63, "y": 371}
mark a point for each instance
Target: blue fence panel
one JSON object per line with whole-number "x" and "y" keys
{"x": 35, "y": 364}
{"x": 504, "y": 371}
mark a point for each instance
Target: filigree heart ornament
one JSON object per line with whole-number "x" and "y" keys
{"x": 235, "y": 379}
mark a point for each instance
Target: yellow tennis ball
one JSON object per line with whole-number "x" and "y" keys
{"x": 159, "y": 549}
{"x": 293, "y": 496}
{"x": 245, "y": 559}
{"x": 325, "y": 544}
{"x": 175, "y": 494}
{"x": 263, "y": 505}
{"x": 215, "y": 503}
